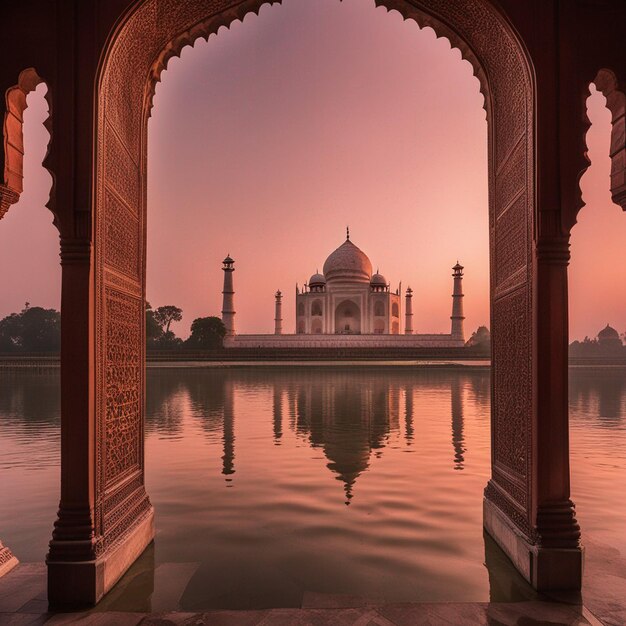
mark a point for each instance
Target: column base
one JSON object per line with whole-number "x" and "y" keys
{"x": 84, "y": 583}
{"x": 546, "y": 569}
{"x": 7, "y": 560}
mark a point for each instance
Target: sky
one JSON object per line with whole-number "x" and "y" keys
{"x": 269, "y": 139}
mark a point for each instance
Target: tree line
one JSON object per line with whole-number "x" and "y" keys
{"x": 35, "y": 329}
{"x": 207, "y": 333}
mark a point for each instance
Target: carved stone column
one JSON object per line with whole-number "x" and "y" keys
{"x": 7, "y": 198}
{"x": 74, "y": 535}
{"x": 102, "y": 525}
{"x": 558, "y": 554}
{"x": 527, "y": 506}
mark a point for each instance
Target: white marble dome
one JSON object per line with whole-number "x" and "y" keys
{"x": 348, "y": 263}
{"x": 378, "y": 280}
{"x": 317, "y": 280}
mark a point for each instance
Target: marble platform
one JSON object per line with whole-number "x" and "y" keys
{"x": 152, "y": 594}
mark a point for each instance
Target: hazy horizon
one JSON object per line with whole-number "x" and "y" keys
{"x": 269, "y": 139}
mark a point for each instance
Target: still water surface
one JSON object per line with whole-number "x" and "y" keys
{"x": 280, "y": 486}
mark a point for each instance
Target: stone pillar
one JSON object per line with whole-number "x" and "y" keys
{"x": 527, "y": 501}
{"x": 74, "y": 534}
{"x": 558, "y": 553}
{"x": 278, "y": 317}
{"x": 457, "y": 316}
{"x": 105, "y": 519}
{"x": 228, "y": 303}
{"x": 7, "y": 560}
{"x": 408, "y": 326}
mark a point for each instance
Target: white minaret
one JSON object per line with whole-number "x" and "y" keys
{"x": 457, "y": 316}
{"x": 408, "y": 326}
{"x": 228, "y": 303}
{"x": 278, "y": 317}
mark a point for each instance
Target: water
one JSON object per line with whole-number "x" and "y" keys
{"x": 279, "y": 486}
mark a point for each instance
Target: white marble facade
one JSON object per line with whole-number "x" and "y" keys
{"x": 347, "y": 299}
{"x": 349, "y": 306}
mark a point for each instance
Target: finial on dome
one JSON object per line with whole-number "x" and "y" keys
{"x": 347, "y": 233}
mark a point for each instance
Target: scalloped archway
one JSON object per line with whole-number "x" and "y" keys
{"x": 606, "y": 82}
{"x": 13, "y": 132}
{"x": 105, "y": 527}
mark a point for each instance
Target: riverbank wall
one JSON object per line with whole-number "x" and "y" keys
{"x": 422, "y": 357}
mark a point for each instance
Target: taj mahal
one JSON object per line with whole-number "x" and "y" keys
{"x": 347, "y": 305}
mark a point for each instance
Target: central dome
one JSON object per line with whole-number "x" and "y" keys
{"x": 348, "y": 263}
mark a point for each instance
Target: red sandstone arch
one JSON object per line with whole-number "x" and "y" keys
{"x": 105, "y": 521}
{"x": 13, "y": 132}
{"x": 606, "y": 81}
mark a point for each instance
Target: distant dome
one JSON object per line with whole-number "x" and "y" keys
{"x": 317, "y": 280}
{"x": 608, "y": 332}
{"x": 348, "y": 263}
{"x": 378, "y": 280}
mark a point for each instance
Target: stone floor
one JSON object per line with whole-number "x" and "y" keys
{"x": 151, "y": 595}
{"x": 23, "y": 601}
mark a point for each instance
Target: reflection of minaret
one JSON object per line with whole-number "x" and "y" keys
{"x": 408, "y": 325}
{"x": 278, "y": 413}
{"x": 228, "y": 460}
{"x": 457, "y": 423}
{"x": 278, "y": 317}
{"x": 350, "y": 417}
{"x": 408, "y": 415}
{"x": 291, "y": 406}
{"x": 457, "y": 316}
{"x": 228, "y": 302}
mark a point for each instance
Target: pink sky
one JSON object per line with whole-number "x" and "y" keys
{"x": 270, "y": 138}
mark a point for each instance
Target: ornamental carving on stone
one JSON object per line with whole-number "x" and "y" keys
{"x": 155, "y": 31}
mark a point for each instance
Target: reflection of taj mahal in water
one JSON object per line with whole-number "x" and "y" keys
{"x": 346, "y": 306}
{"x": 350, "y": 416}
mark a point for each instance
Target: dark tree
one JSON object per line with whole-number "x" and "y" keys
{"x": 206, "y": 333}
{"x": 480, "y": 339}
{"x": 167, "y": 314}
{"x": 34, "y": 329}
{"x": 153, "y": 328}
{"x": 167, "y": 341}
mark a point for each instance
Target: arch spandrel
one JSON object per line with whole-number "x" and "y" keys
{"x": 156, "y": 30}
{"x": 615, "y": 93}
{"x": 12, "y": 155}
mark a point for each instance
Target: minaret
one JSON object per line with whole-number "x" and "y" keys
{"x": 457, "y": 316}
{"x": 228, "y": 303}
{"x": 408, "y": 326}
{"x": 278, "y": 318}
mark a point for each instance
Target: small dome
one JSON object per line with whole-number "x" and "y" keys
{"x": 348, "y": 263}
{"x": 317, "y": 280}
{"x": 608, "y": 332}
{"x": 378, "y": 280}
